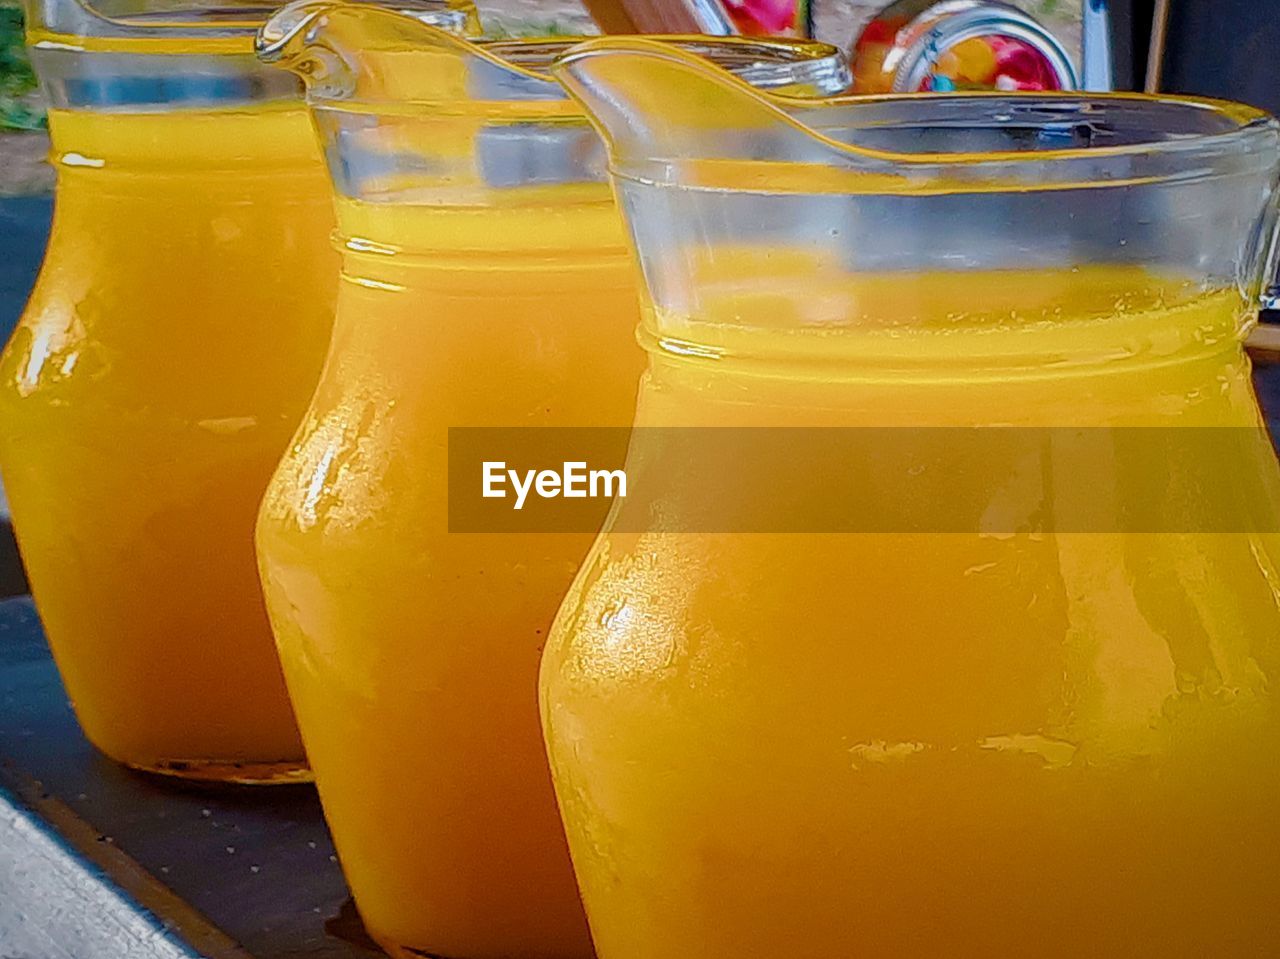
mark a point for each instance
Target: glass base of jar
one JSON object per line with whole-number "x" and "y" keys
{"x": 404, "y": 952}
{"x": 232, "y": 773}
{"x": 397, "y": 951}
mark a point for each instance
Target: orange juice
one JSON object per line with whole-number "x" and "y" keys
{"x": 486, "y": 283}
{"x": 411, "y": 653}
{"x": 164, "y": 360}
{"x": 1039, "y": 743}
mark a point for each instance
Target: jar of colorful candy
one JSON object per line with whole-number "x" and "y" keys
{"x": 918, "y": 46}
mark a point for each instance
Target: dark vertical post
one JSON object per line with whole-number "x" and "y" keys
{"x": 1224, "y": 48}
{"x": 1130, "y": 39}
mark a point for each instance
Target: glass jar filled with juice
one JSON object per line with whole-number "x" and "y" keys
{"x": 485, "y": 282}
{"x": 165, "y": 358}
{"x": 986, "y": 662}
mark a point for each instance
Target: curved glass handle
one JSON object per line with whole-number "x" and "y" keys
{"x": 404, "y": 50}
{"x": 1270, "y": 297}
{"x": 655, "y": 101}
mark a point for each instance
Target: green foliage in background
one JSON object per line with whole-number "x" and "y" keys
{"x": 506, "y": 29}
{"x": 17, "y": 82}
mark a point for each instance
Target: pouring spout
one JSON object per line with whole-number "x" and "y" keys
{"x": 345, "y": 50}
{"x": 652, "y": 101}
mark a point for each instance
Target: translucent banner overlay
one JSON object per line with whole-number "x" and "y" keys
{"x": 997, "y": 481}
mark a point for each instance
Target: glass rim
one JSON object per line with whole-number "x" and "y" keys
{"x": 764, "y": 63}
{"x": 1250, "y": 148}
{"x": 784, "y": 66}
{"x": 221, "y": 20}
{"x": 1245, "y": 121}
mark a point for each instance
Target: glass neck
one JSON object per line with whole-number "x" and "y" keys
{"x": 1209, "y": 389}
{"x": 780, "y": 313}
{"x": 110, "y": 82}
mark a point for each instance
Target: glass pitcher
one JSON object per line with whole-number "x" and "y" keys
{"x": 164, "y": 360}
{"x": 486, "y": 282}
{"x": 1032, "y": 712}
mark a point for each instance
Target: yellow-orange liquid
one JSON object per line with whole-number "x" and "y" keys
{"x": 163, "y": 362}
{"x": 909, "y": 745}
{"x": 411, "y": 654}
